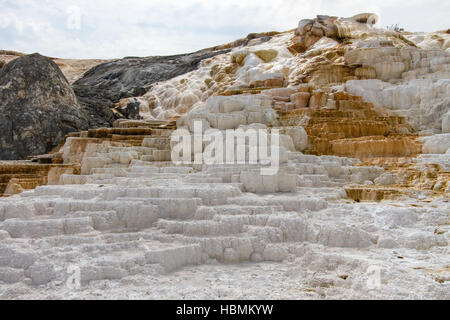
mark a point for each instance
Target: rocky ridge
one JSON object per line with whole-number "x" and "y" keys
{"x": 73, "y": 69}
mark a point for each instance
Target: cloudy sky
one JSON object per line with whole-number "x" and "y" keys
{"x": 114, "y": 29}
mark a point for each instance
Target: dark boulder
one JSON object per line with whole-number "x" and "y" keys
{"x": 37, "y": 107}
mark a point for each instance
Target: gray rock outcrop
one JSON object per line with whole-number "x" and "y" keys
{"x": 37, "y": 107}
{"x": 104, "y": 85}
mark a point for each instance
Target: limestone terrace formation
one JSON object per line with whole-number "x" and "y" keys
{"x": 358, "y": 208}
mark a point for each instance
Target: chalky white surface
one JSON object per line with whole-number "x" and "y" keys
{"x": 148, "y": 231}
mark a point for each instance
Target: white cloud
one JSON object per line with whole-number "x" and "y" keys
{"x": 111, "y": 29}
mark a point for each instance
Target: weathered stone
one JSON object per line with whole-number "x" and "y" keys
{"x": 108, "y": 83}
{"x": 301, "y": 99}
{"x": 38, "y": 107}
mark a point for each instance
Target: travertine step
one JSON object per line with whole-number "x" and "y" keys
{"x": 349, "y": 126}
{"x": 28, "y": 175}
{"x": 374, "y": 194}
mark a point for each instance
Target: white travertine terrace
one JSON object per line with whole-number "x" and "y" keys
{"x": 406, "y": 79}
{"x": 128, "y": 218}
{"x": 137, "y": 226}
{"x": 180, "y": 217}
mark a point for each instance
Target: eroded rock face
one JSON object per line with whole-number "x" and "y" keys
{"x": 106, "y": 84}
{"x": 310, "y": 31}
{"x": 38, "y": 107}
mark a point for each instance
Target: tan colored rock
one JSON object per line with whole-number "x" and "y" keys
{"x": 273, "y": 83}
{"x": 318, "y": 99}
{"x": 328, "y": 74}
{"x": 280, "y": 92}
{"x": 267, "y": 55}
{"x": 301, "y": 99}
{"x": 304, "y": 88}
{"x": 366, "y": 73}
{"x": 13, "y": 188}
{"x": 239, "y": 56}
{"x": 55, "y": 173}
{"x": 376, "y": 147}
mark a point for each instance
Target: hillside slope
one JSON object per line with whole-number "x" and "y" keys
{"x": 356, "y": 208}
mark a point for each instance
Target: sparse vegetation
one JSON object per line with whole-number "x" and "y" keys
{"x": 395, "y": 27}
